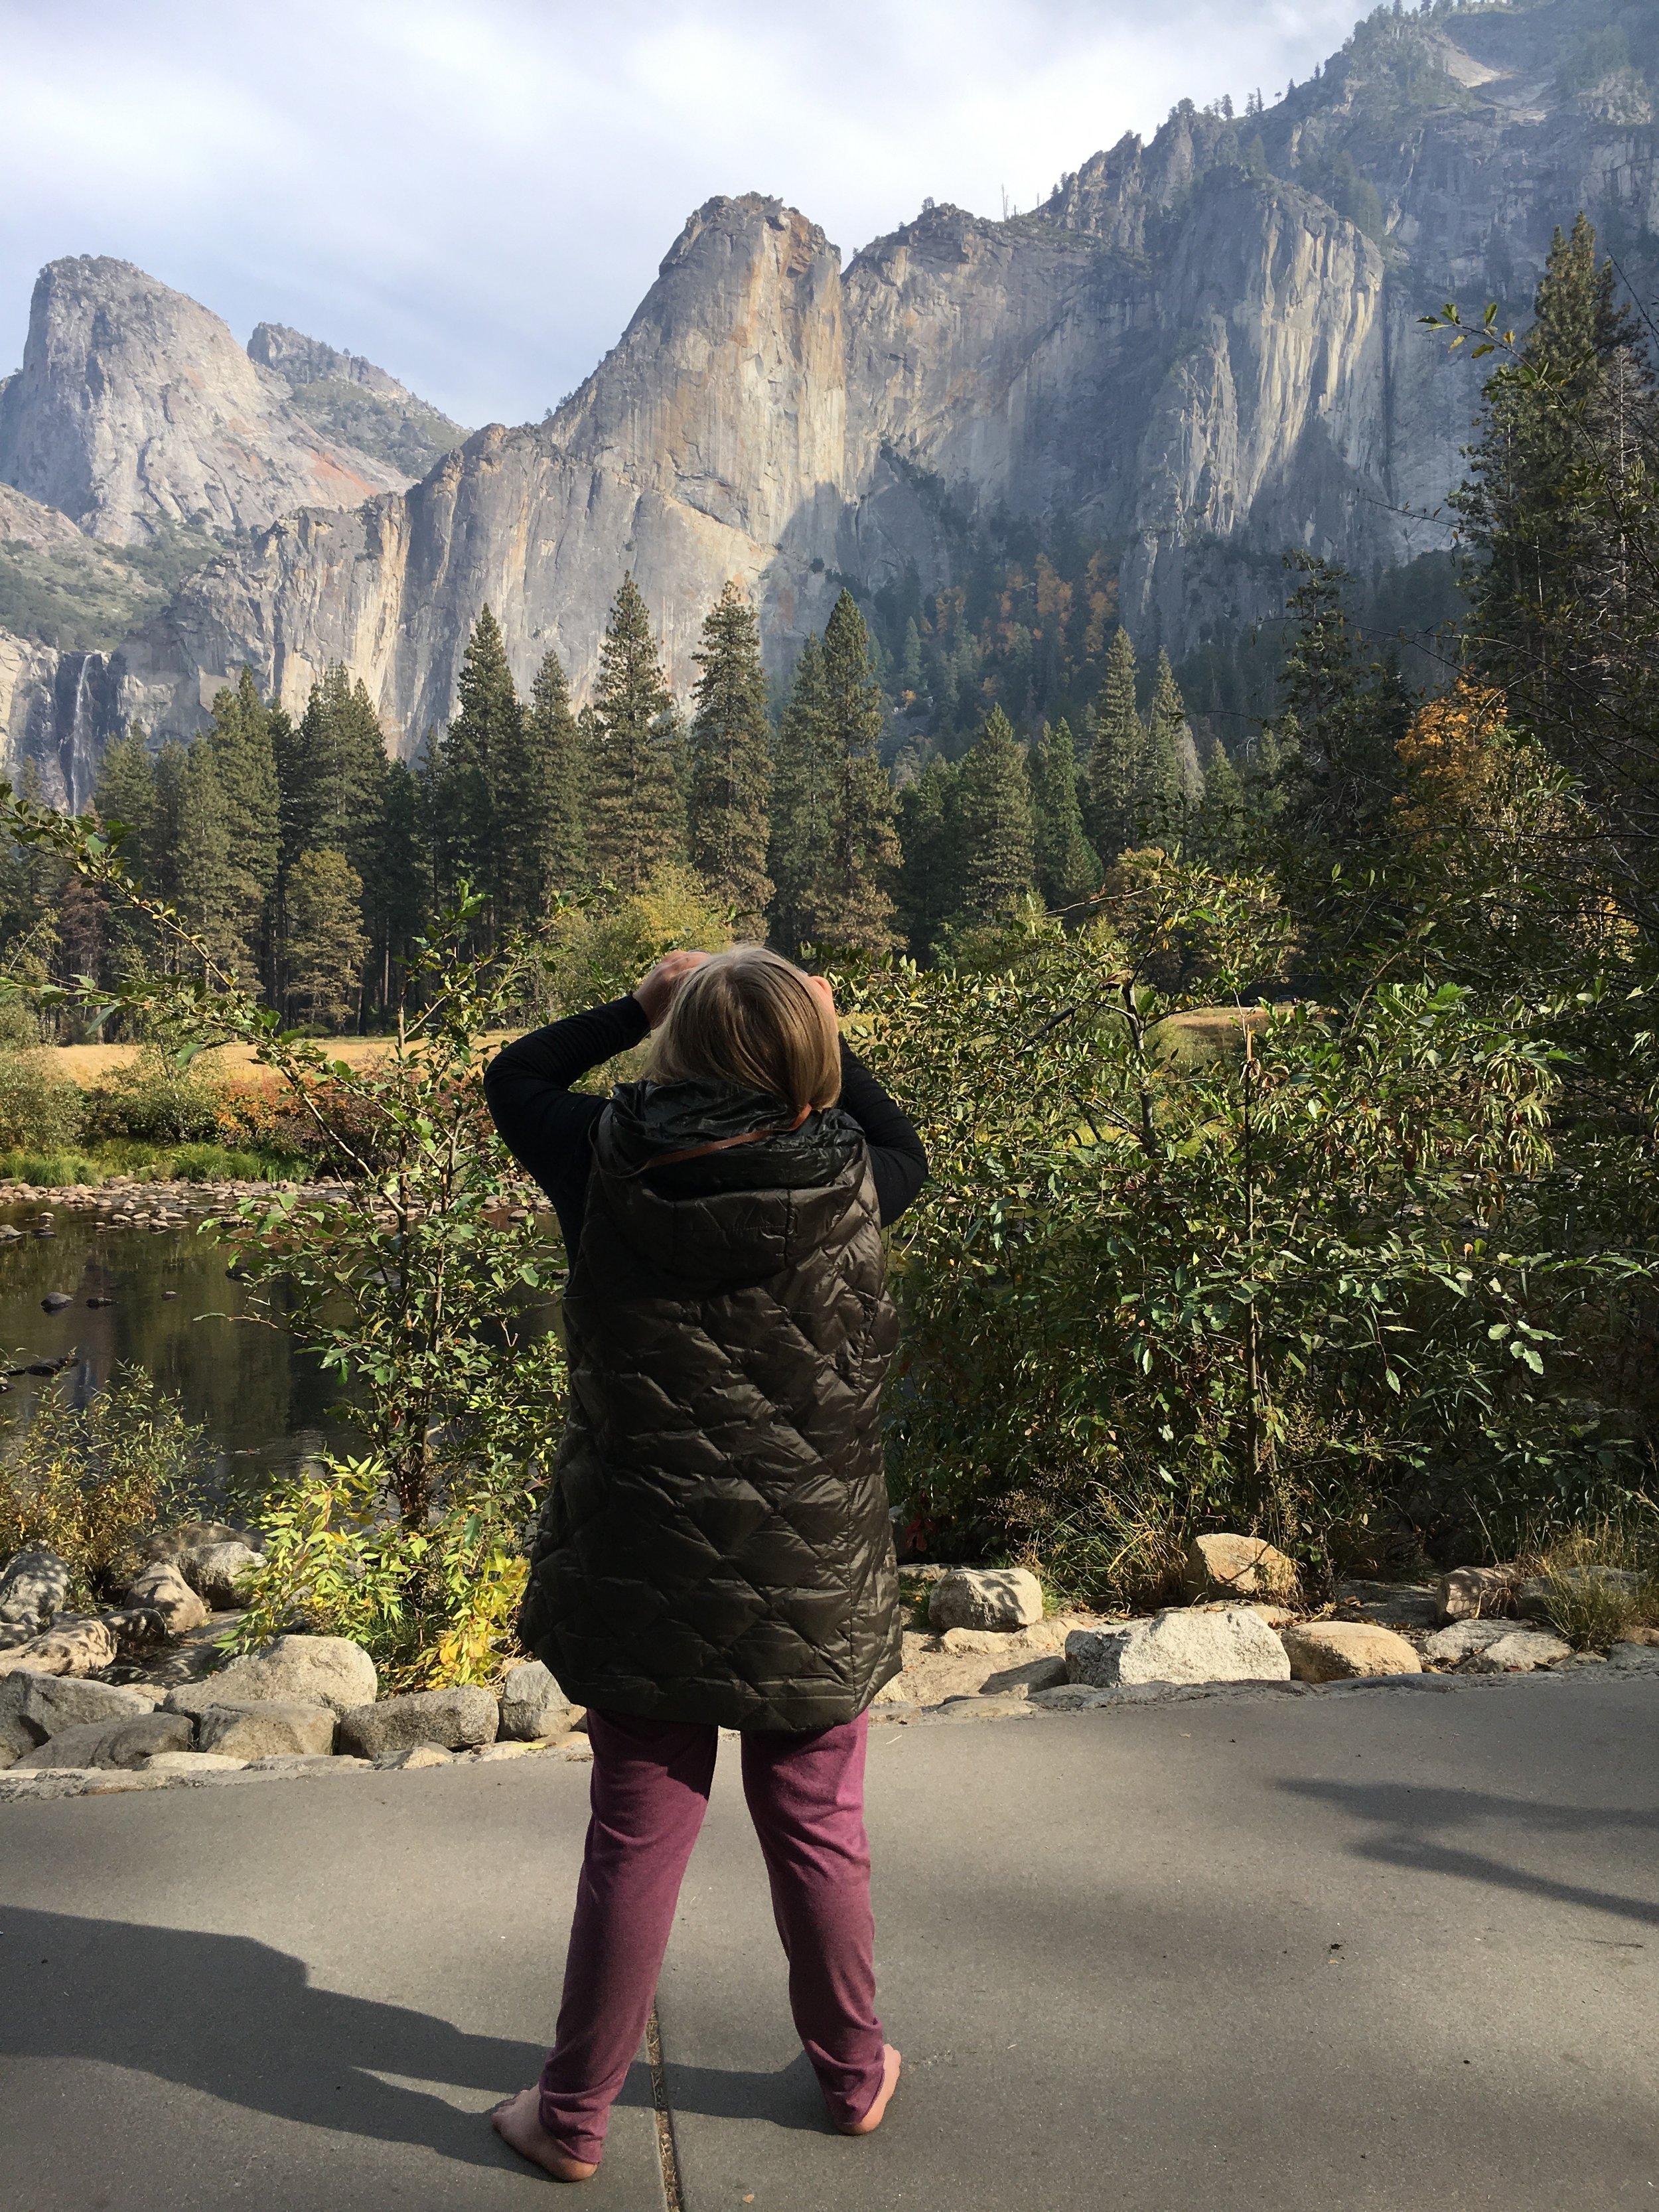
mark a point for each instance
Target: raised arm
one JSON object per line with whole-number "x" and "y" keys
{"x": 897, "y": 1157}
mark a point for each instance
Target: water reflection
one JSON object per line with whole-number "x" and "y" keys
{"x": 211, "y": 1344}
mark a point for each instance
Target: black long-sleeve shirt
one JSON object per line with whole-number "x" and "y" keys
{"x": 547, "y": 1126}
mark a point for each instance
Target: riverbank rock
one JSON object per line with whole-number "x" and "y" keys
{"x": 186, "y": 1763}
{"x": 34, "y": 1587}
{"x": 985, "y": 1597}
{"x": 1450, "y": 1647}
{"x": 1472, "y": 1593}
{"x": 269, "y": 1730}
{"x": 123, "y": 1743}
{"x": 1234, "y": 1644}
{"x": 1237, "y": 1566}
{"x": 220, "y": 1572}
{"x": 76, "y": 1644}
{"x": 533, "y": 1705}
{"x": 1517, "y": 1653}
{"x": 1346, "y": 1651}
{"x": 178, "y": 1543}
{"x": 46, "y": 1704}
{"x": 1389, "y": 1605}
{"x": 298, "y": 1670}
{"x": 164, "y": 1589}
{"x": 453, "y": 1720}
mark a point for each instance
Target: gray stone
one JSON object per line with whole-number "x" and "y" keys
{"x": 175, "y": 1545}
{"x": 184, "y": 1763}
{"x": 76, "y": 1644}
{"x": 1390, "y": 1605}
{"x": 132, "y": 1743}
{"x": 1011, "y": 1644}
{"x": 304, "y": 1670}
{"x": 16, "y": 1738}
{"x": 985, "y": 1597}
{"x": 161, "y": 1586}
{"x": 1346, "y": 1650}
{"x": 1635, "y": 1658}
{"x": 533, "y": 1705}
{"x": 1517, "y": 1653}
{"x": 35, "y": 1588}
{"x": 1237, "y": 1566}
{"x": 1450, "y": 1647}
{"x": 453, "y": 1720}
{"x": 220, "y": 1572}
{"x": 49, "y": 1703}
{"x": 73, "y": 1746}
{"x": 265, "y": 1731}
{"x": 424, "y": 1755}
{"x": 1470, "y": 1593}
{"x": 296, "y": 1763}
{"x": 1230, "y": 1644}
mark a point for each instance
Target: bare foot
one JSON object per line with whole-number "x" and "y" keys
{"x": 872, "y": 2118}
{"x": 519, "y": 2122}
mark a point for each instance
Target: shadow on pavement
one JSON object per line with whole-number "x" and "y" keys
{"x": 1409, "y": 1823}
{"x": 240, "y": 2021}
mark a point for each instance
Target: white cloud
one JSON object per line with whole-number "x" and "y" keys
{"x": 477, "y": 192}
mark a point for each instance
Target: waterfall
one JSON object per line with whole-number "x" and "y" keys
{"x": 79, "y": 730}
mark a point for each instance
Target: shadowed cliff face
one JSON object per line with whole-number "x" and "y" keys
{"x": 1203, "y": 351}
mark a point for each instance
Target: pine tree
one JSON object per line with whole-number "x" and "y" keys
{"x": 636, "y": 821}
{"x": 857, "y": 909}
{"x": 194, "y": 870}
{"x": 1117, "y": 760}
{"x": 401, "y": 890}
{"x": 1162, "y": 801}
{"x": 125, "y": 792}
{"x": 544, "y": 841}
{"x": 1067, "y": 866}
{"x": 729, "y": 777}
{"x": 467, "y": 828}
{"x": 994, "y": 851}
{"x": 326, "y": 944}
{"x": 331, "y": 772}
{"x": 805, "y": 782}
{"x": 1217, "y": 828}
{"x": 929, "y": 879}
{"x": 245, "y": 767}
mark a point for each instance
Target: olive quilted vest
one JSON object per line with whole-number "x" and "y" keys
{"x": 716, "y": 1545}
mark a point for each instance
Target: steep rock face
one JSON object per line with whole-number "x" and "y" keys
{"x": 710, "y": 442}
{"x": 1203, "y": 350}
{"x": 300, "y": 360}
{"x": 136, "y": 408}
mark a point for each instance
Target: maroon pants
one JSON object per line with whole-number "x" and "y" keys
{"x": 650, "y": 1791}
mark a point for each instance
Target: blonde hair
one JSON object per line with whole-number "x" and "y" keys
{"x": 749, "y": 1017}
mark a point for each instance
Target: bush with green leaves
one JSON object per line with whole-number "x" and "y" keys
{"x": 417, "y": 1283}
{"x": 39, "y": 1111}
{"x": 1329, "y": 1287}
{"x": 159, "y": 1103}
{"x": 88, "y": 1481}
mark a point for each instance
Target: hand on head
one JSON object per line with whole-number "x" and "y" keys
{"x": 655, "y": 991}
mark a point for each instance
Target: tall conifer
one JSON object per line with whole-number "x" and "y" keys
{"x": 467, "y": 831}
{"x": 1117, "y": 762}
{"x": 636, "y": 813}
{"x": 857, "y": 911}
{"x": 1217, "y": 828}
{"x": 729, "y": 748}
{"x": 239, "y": 741}
{"x": 1161, "y": 802}
{"x": 1067, "y": 866}
{"x": 538, "y": 791}
{"x": 994, "y": 849}
{"x": 125, "y": 793}
{"x": 805, "y": 783}
{"x": 929, "y": 879}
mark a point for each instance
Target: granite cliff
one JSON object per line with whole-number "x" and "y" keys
{"x": 1201, "y": 349}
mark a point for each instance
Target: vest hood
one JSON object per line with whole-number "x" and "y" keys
{"x": 725, "y": 1218}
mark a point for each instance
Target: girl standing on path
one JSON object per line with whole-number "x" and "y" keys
{"x": 715, "y": 1551}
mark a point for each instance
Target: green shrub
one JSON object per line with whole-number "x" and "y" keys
{"x": 87, "y": 1482}
{"x": 49, "y": 1170}
{"x": 156, "y": 1104}
{"x": 38, "y": 1110}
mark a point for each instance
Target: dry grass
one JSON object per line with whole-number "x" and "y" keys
{"x": 1601, "y": 1583}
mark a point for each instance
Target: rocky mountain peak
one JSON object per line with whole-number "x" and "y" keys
{"x": 136, "y": 409}
{"x": 299, "y": 360}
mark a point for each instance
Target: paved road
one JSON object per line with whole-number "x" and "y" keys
{"x": 1381, "y": 1950}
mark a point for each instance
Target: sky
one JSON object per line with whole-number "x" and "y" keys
{"x": 476, "y": 193}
